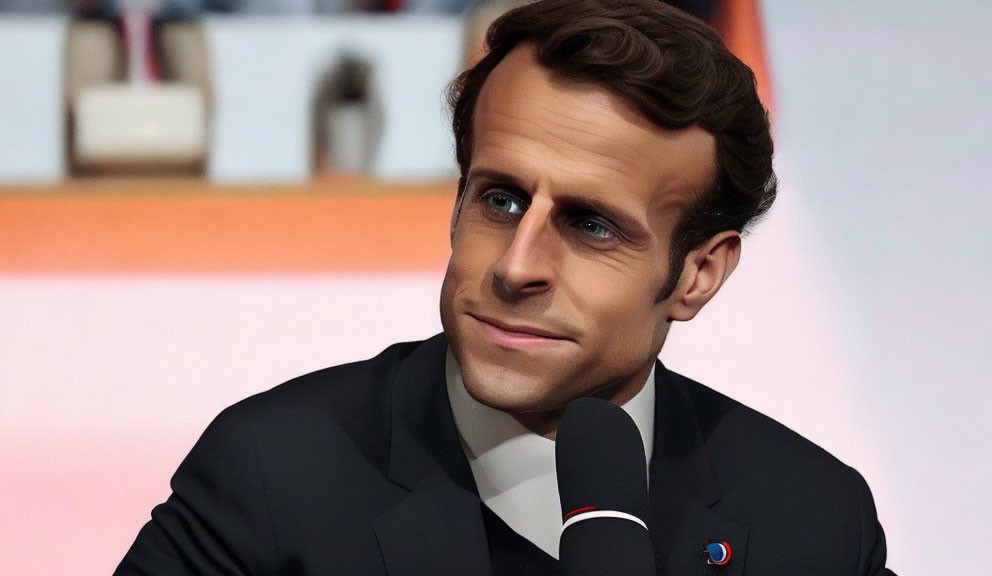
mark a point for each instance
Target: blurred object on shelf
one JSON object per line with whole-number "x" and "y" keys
{"x": 183, "y": 54}
{"x": 94, "y": 57}
{"x": 347, "y": 115}
{"x": 125, "y": 128}
{"x": 155, "y": 120}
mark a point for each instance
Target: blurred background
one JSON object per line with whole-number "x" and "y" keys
{"x": 202, "y": 199}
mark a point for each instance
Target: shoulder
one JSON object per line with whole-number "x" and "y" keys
{"x": 784, "y": 488}
{"x": 345, "y": 407}
{"x": 742, "y": 439}
{"x": 270, "y": 475}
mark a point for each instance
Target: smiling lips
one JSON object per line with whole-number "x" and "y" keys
{"x": 516, "y": 336}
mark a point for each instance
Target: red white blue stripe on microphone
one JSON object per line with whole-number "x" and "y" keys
{"x": 578, "y": 511}
{"x": 590, "y": 513}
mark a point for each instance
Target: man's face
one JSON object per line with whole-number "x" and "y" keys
{"x": 560, "y": 241}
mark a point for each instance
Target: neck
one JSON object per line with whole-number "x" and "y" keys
{"x": 541, "y": 423}
{"x": 545, "y": 423}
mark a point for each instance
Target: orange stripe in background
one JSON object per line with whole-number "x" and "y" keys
{"x": 739, "y": 24}
{"x": 193, "y": 227}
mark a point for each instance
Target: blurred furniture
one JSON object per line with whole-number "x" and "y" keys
{"x": 120, "y": 122}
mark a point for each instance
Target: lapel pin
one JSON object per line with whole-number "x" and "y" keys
{"x": 717, "y": 553}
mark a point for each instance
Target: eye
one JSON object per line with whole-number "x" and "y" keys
{"x": 594, "y": 227}
{"x": 505, "y": 203}
{"x": 596, "y": 231}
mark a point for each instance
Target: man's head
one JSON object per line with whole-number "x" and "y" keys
{"x": 610, "y": 152}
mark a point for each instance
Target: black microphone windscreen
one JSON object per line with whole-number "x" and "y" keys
{"x": 601, "y": 467}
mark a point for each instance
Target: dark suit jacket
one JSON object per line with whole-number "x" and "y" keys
{"x": 358, "y": 469}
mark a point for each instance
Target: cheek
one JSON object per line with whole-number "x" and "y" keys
{"x": 475, "y": 248}
{"x": 622, "y": 308}
{"x": 467, "y": 261}
{"x": 468, "y": 266}
{"x": 453, "y": 285}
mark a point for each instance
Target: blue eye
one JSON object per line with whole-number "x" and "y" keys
{"x": 505, "y": 203}
{"x": 595, "y": 228}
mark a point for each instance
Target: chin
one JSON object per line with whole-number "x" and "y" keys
{"x": 504, "y": 389}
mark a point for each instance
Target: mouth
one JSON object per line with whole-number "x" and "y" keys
{"x": 517, "y": 336}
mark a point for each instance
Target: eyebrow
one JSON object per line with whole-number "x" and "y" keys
{"x": 494, "y": 176}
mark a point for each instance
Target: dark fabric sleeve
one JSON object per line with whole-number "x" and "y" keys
{"x": 873, "y": 550}
{"x": 216, "y": 521}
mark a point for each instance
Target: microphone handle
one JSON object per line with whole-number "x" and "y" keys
{"x": 602, "y": 546}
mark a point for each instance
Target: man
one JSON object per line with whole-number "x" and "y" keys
{"x": 612, "y": 152}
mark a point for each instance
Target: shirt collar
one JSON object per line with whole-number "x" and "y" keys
{"x": 514, "y": 468}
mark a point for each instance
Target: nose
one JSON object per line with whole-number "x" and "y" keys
{"x": 526, "y": 266}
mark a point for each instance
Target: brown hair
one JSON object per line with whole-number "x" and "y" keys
{"x": 668, "y": 65}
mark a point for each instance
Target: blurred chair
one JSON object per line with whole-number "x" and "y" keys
{"x": 183, "y": 53}
{"x": 118, "y": 124}
{"x": 94, "y": 56}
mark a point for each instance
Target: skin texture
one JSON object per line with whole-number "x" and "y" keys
{"x": 560, "y": 244}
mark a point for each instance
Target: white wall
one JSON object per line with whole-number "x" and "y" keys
{"x": 32, "y": 142}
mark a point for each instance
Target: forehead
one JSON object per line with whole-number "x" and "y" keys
{"x": 583, "y": 137}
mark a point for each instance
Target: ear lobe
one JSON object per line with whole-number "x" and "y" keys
{"x": 706, "y": 269}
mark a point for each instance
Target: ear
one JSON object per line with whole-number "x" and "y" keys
{"x": 706, "y": 269}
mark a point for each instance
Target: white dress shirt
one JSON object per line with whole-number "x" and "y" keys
{"x": 514, "y": 468}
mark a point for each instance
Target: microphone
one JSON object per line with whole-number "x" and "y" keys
{"x": 602, "y": 485}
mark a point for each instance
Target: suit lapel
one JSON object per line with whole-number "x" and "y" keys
{"x": 683, "y": 489}
{"x": 437, "y": 528}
